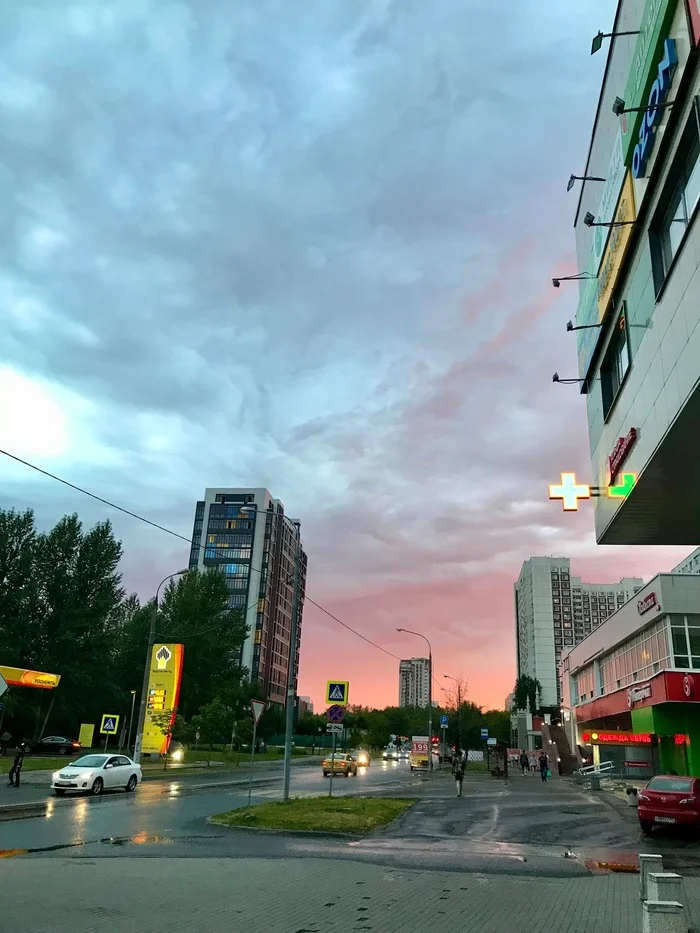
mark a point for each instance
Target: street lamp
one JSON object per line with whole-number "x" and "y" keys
{"x": 147, "y": 668}
{"x": 459, "y": 708}
{"x": 430, "y": 692}
{"x": 291, "y": 666}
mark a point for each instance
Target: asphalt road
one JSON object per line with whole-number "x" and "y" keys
{"x": 171, "y": 812}
{"x": 519, "y": 827}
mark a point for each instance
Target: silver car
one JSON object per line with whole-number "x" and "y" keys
{"x": 93, "y": 774}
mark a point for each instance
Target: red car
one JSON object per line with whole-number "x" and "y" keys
{"x": 669, "y": 800}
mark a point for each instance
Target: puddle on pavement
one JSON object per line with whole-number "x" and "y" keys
{"x": 137, "y": 839}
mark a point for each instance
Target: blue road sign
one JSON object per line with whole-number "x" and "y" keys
{"x": 444, "y": 721}
{"x": 484, "y": 733}
{"x": 335, "y": 713}
{"x": 109, "y": 724}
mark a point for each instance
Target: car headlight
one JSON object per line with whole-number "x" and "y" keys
{"x": 177, "y": 755}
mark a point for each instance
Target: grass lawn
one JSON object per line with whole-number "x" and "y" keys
{"x": 354, "y": 815}
{"x": 37, "y": 763}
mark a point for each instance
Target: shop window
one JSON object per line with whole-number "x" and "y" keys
{"x": 678, "y": 203}
{"x": 615, "y": 365}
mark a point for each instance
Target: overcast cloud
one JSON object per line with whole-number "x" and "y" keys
{"x": 307, "y": 246}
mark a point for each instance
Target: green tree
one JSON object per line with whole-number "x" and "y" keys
{"x": 498, "y": 723}
{"x": 215, "y": 722}
{"x": 527, "y": 689}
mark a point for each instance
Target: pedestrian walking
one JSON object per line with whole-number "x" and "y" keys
{"x": 524, "y": 762}
{"x": 533, "y": 762}
{"x": 4, "y": 742}
{"x": 16, "y": 768}
{"x": 544, "y": 765}
{"x": 458, "y": 766}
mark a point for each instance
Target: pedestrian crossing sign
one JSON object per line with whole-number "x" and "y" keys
{"x": 110, "y": 724}
{"x": 337, "y": 692}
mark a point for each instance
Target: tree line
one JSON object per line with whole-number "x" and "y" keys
{"x": 64, "y": 610}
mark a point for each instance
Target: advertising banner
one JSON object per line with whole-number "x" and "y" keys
{"x": 419, "y": 752}
{"x": 19, "y": 677}
{"x": 598, "y": 292}
{"x": 163, "y": 694}
{"x": 653, "y": 29}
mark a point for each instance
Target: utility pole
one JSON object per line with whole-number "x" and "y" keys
{"x": 291, "y": 674}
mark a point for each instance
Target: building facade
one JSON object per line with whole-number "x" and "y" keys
{"x": 554, "y": 611}
{"x": 246, "y": 534}
{"x": 414, "y": 682}
{"x": 691, "y": 564}
{"x": 638, "y": 255}
{"x": 633, "y": 685}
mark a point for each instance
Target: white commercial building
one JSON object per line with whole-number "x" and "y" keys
{"x": 414, "y": 682}
{"x": 638, "y": 250}
{"x": 553, "y": 611}
{"x": 691, "y": 564}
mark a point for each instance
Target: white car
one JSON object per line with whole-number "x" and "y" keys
{"x": 93, "y": 774}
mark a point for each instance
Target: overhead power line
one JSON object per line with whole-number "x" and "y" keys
{"x": 175, "y": 534}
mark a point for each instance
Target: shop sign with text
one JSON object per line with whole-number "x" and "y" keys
{"x": 637, "y": 694}
{"x": 647, "y": 603}
{"x": 657, "y": 96}
{"x": 620, "y": 453}
{"x": 617, "y": 738}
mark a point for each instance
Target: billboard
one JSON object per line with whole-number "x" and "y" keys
{"x": 19, "y": 677}
{"x": 653, "y": 29}
{"x": 596, "y": 293}
{"x": 163, "y": 694}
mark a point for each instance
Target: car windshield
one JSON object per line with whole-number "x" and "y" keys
{"x": 671, "y": 784}
{"x": 89, "y": 761}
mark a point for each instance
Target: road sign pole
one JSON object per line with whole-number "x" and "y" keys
{"x": 252, "y": 758}
{"x": 106, "y": 740}
{"x": 330, "y": 789}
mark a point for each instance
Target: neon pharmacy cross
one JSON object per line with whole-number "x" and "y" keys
{"x": 569, "y": 492}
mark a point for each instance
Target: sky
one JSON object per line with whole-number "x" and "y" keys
{"x": 308, "y": 247}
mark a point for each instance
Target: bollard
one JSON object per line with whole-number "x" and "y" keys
{"x": 648, "y": 863}
{"x": 663, "y": 917}
{"x": 664, "y": 886}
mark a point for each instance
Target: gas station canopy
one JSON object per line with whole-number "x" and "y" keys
{"x": 18, "y": 677}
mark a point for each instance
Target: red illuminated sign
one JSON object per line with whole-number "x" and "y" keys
{"x": 617, "y": 738}
{"x": 649, "y": 602}
{"x": 620, "y": 452}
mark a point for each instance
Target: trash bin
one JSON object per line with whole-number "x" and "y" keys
{"x": 632, "y": 796}
{"x": 595, "y": 782}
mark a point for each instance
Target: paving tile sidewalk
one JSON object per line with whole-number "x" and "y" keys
{"x": 312, "y": 895}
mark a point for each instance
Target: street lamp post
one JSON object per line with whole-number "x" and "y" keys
{"x": 459, "y": 708}
{"x": 147, "y": 667}
{"x": 430, "y": 692}
{"x": 291, "y": 666}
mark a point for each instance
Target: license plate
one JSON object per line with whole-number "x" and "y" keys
{"x": 62, "y": 783}
{"x": 664, "y": 819}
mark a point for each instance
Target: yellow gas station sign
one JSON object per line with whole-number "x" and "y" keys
{"x": 163, "y": 693}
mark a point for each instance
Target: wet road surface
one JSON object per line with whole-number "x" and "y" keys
{"x": 522, "y": 827}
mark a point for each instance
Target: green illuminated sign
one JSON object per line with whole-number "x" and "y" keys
{"x": 623, "y": 489}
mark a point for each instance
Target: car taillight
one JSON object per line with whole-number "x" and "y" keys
{"x": 75, "y": 744}
{"x": 643, "y": 797}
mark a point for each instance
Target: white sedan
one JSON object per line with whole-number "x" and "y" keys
{"x": 93, "y": 774}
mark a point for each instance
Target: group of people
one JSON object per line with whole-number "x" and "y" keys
{"x": 530, "y": 763}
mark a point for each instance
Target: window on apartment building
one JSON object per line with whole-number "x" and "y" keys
{"x": 677, "y": 204}
{"x": 616, "y": 364}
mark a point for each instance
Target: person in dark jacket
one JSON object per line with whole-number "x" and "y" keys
{"x": 524, "y": 762}
{"x": 544, "y": 765}
{"x": 4, "y": 742}
{"x": 16, "y": 768}
{"x": 459, "y": 764}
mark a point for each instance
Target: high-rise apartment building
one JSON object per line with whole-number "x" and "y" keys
{"x": 246, "y": 534}
{"x": 691, "y": 564}
{"x": 414, "y": 682}
{"x": 554, "y": 610}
